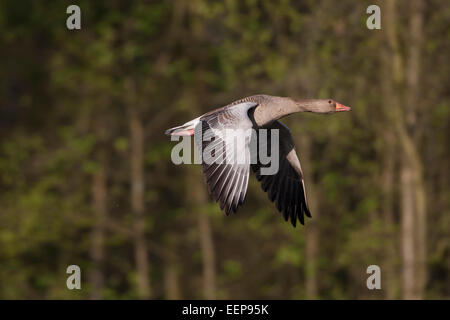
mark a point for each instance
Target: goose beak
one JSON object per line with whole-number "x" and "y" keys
{"x": 340, "y": 107}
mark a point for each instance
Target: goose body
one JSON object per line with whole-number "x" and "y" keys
{"x": 227, "y": 181}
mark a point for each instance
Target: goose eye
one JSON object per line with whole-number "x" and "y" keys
{"x": 329, "y": 101}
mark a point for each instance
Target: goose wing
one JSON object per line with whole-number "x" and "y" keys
{"x": 286, "y": 188}
{"x": 225, "y": 141}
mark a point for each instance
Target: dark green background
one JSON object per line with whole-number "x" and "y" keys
{"x": 76, "y": 108}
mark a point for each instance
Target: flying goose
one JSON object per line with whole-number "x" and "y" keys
{"x": 227, "y": 182}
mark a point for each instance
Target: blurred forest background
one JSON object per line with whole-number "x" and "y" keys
{"x": 85, "y": 170}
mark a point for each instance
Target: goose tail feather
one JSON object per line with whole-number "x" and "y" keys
{"x": 186, "y": 129}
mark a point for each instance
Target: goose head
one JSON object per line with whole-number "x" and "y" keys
{"x": 322, "y": 106}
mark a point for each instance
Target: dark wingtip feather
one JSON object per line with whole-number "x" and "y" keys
{"x": 228, "y": 210}
{"x": 294, "y": 221}
{"x": 301, "y": 218}
{"x": 307, "y": 212}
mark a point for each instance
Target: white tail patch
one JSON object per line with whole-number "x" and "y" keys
{"x": 186, "y": 129}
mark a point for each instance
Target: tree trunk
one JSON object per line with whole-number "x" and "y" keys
{"x": 394, "y": 117}
{"x": 312, "y": 254}
{"x": 171, "y": 280}
{"x": 387, "y": 210}
{"x": 197, "y": 195}
{"x": 137, "y": 196}
{"x": 97, "y": 250}
{"x": 389, "y": 158}
{"x": 413, "y": 103}
{"x": 411, "y": 180}
{"x": 209, "y": 260}
{"x": 312, "y": 231}
{"x": 408, "y": 250}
